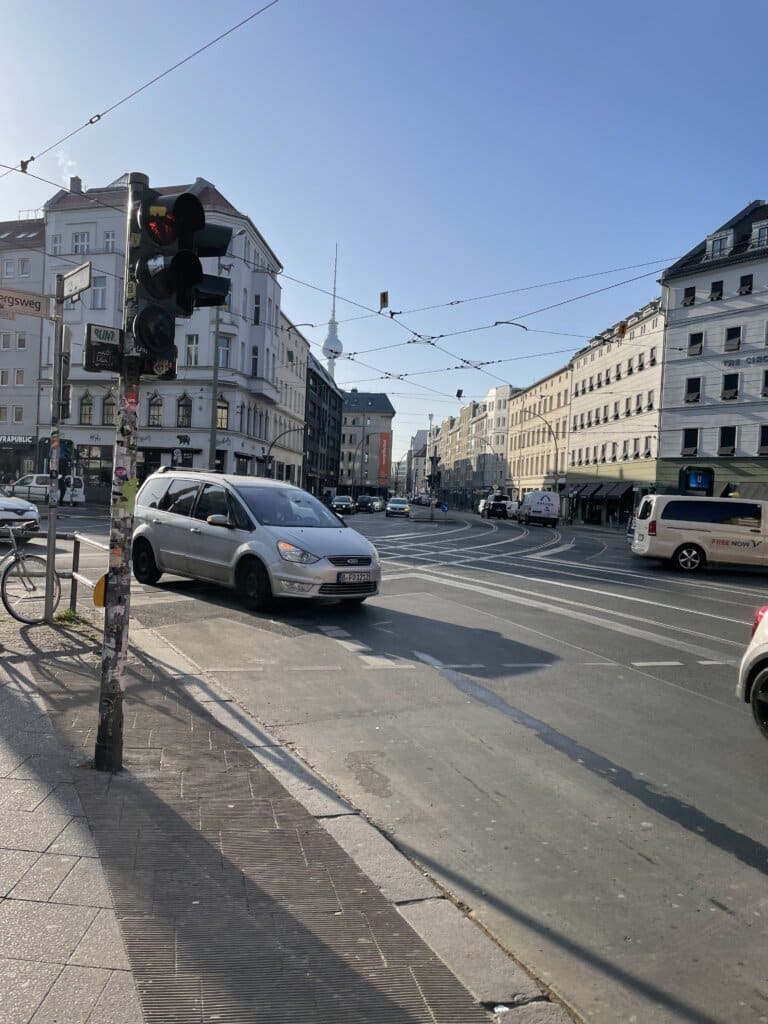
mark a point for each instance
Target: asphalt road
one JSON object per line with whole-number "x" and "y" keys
{"x": 548, "y": 727}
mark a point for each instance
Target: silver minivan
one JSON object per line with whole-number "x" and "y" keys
{"x": 264, "y": 538}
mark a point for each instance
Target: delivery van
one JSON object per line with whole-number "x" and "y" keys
{"x": 690, "y": 531}
{"x": 540, "y": 507}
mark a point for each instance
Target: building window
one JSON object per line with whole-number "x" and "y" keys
{"x": 716, "y": 291}
{"x": 641, "y": 361}
{"x": 692, "y": 390}
{"x": 690, "y": 445}
{"x": 55, "y": 245}
{"x": 695, "y": 343}
{"x": 635, "y": 447}
{"x": 762, "y": 235}
{"x": 730, "y": 389}
{"x": 647, "y": 447}
{"x": 99, "y": 293}
{"x": 5, "y": 377}
{"x": 745, "y": 284}
{"x": 155, "y": 415}
{"x": 3, "y": 413}
{"x": 5, "y": 342}
{"x": 615, "y": 410}
{"x": 21, "y": 339}
{"x": 718, "y": 246}
{"x": 23, "y": 268}
{"x": 618, "y": 371}
{"x": 627, "y": 406}
{"x": 254, "y": 360}
{"x": 192, "y": 355}
{"x": 18, "y": 414}
{"x": 109, "y": 241}
{"x": 256, "y": 310}
{"x": 727, "y": 444}
{"x": 9, "y": 268}
{"x": 184, "y": 412}
{"x": 732, "y": 339}
{"x": 108, "y": 411}
{"x": 763, "y": 445}
{"x": 764, "y": 390}
{"x": 639, "y": 403}
{"x": 689, "y": 296}
{"x": 86, "y": 410}
{"x": 651, "y": 399}
{"x": 630, "y": 366}
{"x": 225, "y": 347}
{"x": 18, "y": 378}
{"x": 81, "y": 243}
{"x": 222, "y": 414}
{"x": 625, "y": 449}
{"x": 652, "y": 356}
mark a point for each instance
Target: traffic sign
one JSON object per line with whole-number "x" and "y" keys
{"x": 77, "y": 280}
{"x": 103, "y": 348}
{"x": 23, "y": 303}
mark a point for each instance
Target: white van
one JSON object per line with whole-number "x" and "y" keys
{"x": 693, "y": 531}
{"x": 34, "y": 487}
{"x": 540, "y": 507}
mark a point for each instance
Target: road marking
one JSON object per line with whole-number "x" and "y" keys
{"x": 655, "y": 664}
{"x": 528, "y": 664}
{"x": 446, "y": 665}
{"x": 717, "y": 663}
{"x": 379, "y": 661}
{"x": 552, "y": 551}
{"x": 312, "y": 668}
{"x": 334, "y": 631}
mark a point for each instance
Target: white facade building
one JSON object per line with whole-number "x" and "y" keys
{"x": 715, "y": 399}
{"x": 288, "y": 445}
{"x": 174, "y": 416}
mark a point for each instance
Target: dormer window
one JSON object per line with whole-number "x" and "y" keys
{"x": 760, "y": 235}
{"x": 718, "y": 247}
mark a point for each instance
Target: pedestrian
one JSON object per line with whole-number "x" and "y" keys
{"x": 62, "y": 487}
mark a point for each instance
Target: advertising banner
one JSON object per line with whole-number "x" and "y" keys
{"x": 385, "y": 458}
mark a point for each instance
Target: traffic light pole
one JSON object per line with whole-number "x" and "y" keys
{"x": 109, "y": 740}
{"x": 54, "y": 450}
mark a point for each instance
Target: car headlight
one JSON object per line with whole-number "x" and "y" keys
{"x": 293, "y": 554}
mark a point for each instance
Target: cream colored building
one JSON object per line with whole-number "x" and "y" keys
{"x": 288, "y": 419}
{"x": 538, "y": 434}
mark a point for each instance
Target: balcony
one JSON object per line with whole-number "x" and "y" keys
{"x": 263, "y": 388}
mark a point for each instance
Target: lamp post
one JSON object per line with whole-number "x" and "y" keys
{"x": 268, "y": 456}
{"x": 215, "y": 376}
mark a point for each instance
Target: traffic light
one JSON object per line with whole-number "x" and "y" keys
{"x": 168, "y": 274}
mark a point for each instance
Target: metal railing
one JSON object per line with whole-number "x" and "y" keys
{"x": 76, "y": 576}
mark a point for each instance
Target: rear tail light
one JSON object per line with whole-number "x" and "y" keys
{"x": 759, "y": 615}
{"x": 652, "y": 528}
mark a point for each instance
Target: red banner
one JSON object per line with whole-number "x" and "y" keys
{"x": 385, "y": 458}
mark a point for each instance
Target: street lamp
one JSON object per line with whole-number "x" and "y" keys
{"x": 268, "y": 456}
{"x": 215, "y": 376}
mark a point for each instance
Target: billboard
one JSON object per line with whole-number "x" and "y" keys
{"x": 385, "y": 458}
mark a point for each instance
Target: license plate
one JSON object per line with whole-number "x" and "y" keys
{"x": 354, "y": 577}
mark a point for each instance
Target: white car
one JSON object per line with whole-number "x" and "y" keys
{"x": 20, "y": 515}
{"x": 34, "y": 487}
{"x": 752, "y": 687}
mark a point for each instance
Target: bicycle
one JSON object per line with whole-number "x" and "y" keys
{"x": 22, "y": 584}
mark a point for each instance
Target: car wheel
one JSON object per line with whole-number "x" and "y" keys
{"x": 689, "y": 558}
{"x": 253, "y": 584}
{"x": 758, "y": 698}
{"x": 144, "y": 565}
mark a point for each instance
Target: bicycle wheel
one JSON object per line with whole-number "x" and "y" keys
{"x": 23, "y": 589}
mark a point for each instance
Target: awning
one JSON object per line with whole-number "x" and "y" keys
{"x": 573, "y": 491}
{"x": 589, "y": 490}
{"x": 602, "y": 492}
{"x": 750, "y": 489}
{"x": 619, "y": 490}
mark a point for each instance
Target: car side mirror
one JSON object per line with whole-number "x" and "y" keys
{"x": 219, "y": 521}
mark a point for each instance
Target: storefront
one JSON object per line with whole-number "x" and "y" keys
{"x": 17, "y": 455}
{"x": 150, "y": 459}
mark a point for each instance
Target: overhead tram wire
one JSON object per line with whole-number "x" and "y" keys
{"x": 95, "y": 118}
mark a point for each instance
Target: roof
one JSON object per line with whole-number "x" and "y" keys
{"x": 742, "y": 252}
{"x": 316, "y": 367}
{"x": 368, "y": 402}
{"x": 22, "y": 234}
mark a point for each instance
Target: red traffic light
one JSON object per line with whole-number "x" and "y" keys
{"x": 167, "y": 219}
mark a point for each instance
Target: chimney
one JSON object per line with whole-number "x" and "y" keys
{"x": 75, "y": 185}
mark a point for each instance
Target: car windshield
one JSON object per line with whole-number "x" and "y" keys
{"x": 287, "y": 506}
{"x": 398, "y": 501}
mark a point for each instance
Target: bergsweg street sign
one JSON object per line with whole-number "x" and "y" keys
{"x": 103, "y": 348}
{"x": 23, "y": 303}
{"x": 77, "y": 280}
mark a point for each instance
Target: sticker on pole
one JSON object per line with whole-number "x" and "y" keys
{"x": 100, "y": 592}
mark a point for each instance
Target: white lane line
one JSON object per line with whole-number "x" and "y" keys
{"x": 530, "y": 664}
{"x": 446, "y": 665}
{"x": 717, "y": 663}
{"x": 312, "y": 668}
{"x": 381, "y": 661}
{"x": 552, "y": 551}
{"x": 655, "y": 664}
{"x": 601, "y": 663}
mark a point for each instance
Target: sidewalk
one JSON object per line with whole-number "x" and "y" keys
{"x": 192, "y": 886}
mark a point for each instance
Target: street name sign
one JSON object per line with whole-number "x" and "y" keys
{"x": 26, "y": 303}
{"x": 77, "y": 280}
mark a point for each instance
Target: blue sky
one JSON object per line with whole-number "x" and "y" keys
{"x": 452, "y": 149}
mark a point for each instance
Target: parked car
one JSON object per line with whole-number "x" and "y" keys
{"x": 540, "y": 507}
{"x": 481, "y": 506}
{"x": 263, "y": 538}
{"x": 344, "y": 505}
{"x": 364, "y": 503}
{"x": 20, "y": 515}
{"x": 752, "y": 686}
{"x": 378, "y": 505}
{"x": 397, "y": 507}
{"x": 499, "y": 506}
{"x": 34, "y": 487}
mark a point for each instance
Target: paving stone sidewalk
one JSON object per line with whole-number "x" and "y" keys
{"x": 191, "y": 887}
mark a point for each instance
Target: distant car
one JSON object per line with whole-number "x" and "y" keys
{"x": 752, "y": 686}
{"x": 397, "y": 507}
{"x": 34, "y": 487}
{"x": 499, "y": 506}
{"x": 377, "y": 505}
{"x": 20, "y": 515}
{"x": 343, "y": 504}
{"x": 365, "y": 503}
{"x": 481, "y": 506}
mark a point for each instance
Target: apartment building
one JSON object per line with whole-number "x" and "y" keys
{"x": 175, "y": 417}
{"x": 538, "y": 435}
{"x": 322, "y": 434}
{"x": 287, "y": 447}
{"x": 366, "y": 443}
{"x": 22, "y": 263}
{"x": 614, "y": 417}
{"x": 714, "y": 411}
